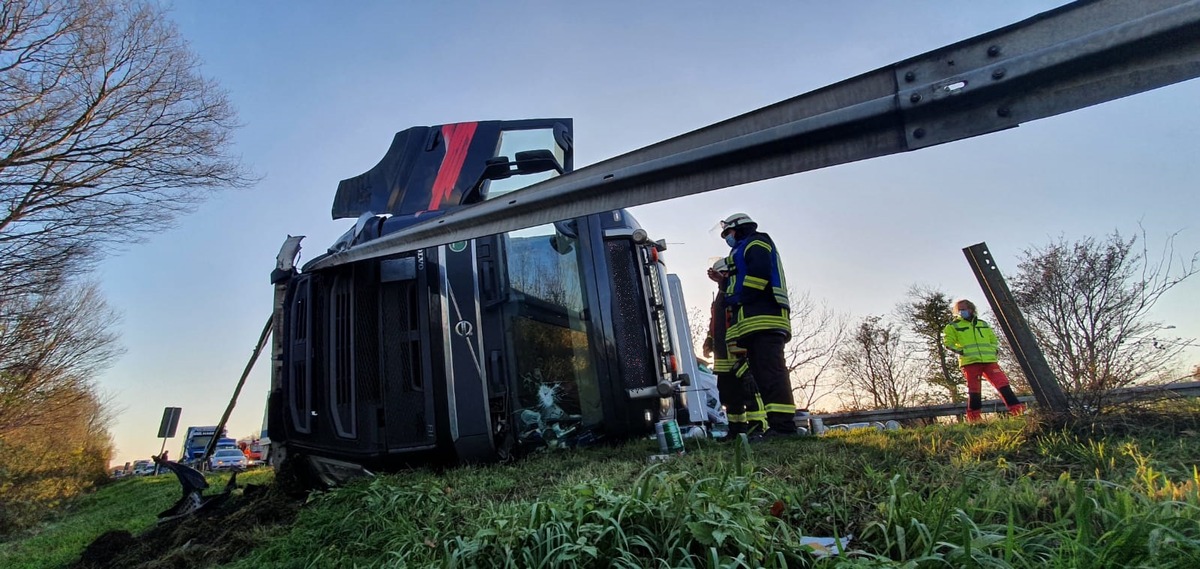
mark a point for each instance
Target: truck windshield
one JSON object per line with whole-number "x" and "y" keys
{"x": 200, "y": 441}
{"x": 559, "y": 390}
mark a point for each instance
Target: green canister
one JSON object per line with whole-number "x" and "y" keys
{"x": 669, "y": 439}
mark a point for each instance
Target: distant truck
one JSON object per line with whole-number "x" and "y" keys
{"x": 196, "y": 440}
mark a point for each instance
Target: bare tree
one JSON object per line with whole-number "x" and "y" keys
{"x": 926, "y": 312}
{"x": 1089, "y": 302}
{"x": 107, "y": 132}
{"x": 877, "y": 371}
{"x": 52, "y": 346}
{"x": 817, "y": 334}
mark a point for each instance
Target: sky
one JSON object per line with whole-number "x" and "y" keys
{"x": 321, "y": 88}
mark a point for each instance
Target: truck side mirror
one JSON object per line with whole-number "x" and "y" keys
{"x": 534, "y": 161}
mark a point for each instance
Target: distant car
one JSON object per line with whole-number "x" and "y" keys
{"x": 227, "y": 458}
{"x": 143, "y": 468}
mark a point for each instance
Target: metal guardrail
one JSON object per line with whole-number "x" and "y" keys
{"x": 1188, "y": 389}
{"x": 1075, "y": 56}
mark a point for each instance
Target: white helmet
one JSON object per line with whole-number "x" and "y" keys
{"x": 737, "y": 220}
{"x": 721, "y": 265}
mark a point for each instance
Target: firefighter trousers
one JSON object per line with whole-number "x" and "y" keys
{"x": 765, "y": 351}
{"x": 743, "y": 404}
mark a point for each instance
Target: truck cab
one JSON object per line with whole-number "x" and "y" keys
{"x": 547, "y": 337}
{"x": 195, "y": 442}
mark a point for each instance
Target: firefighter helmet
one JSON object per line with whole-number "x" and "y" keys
{"x": 737, "y": 220}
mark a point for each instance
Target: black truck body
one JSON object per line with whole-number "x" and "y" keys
{"x": 552, "y": 336}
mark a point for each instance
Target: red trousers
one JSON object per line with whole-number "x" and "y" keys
{"x": 991, "y": 371}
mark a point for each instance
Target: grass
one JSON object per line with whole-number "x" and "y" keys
{"x": 131, "y": 505}
{"x": 1008, "y": 493}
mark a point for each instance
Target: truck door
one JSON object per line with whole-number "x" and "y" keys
{"x": 551, "y": 357}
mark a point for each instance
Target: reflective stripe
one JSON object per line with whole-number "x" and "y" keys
{"x": 755, "y": 413}
{"x": 757, "y": 324}
{"x": 755, "y": 282}
{"x": 726, "y": 362}
{"x": 736, "y": 418}
{"x": 781, "y": 408}
{"x": 758, "y": 243}
{"x": 781, "y": 298}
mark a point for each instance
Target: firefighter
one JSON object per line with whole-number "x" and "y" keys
{"x": 756, "y": 295}
{"x": 975, "y": 343}
{"x": 735, "y": 383}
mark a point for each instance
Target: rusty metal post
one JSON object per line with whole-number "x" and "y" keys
{"x": 1045, "y": 385}
{"x": 262, "y": 342}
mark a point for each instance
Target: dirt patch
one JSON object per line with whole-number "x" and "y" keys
{"x": 223, "y": 532}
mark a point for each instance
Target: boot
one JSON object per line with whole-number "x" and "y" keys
{"x": 974, "y": 404}
{"x": 1016, "y": 410}
{"x": 1010, "y": 398}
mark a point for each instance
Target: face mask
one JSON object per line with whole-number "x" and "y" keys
{"x": 965, "y": 314}
{"x": 731, "y": 240}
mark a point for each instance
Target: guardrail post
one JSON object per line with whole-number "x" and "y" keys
{"x": 1045, "y": 385}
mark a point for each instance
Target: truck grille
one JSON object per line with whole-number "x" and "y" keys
{"x": 629, "y": 316}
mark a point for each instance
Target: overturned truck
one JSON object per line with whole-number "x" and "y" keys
{"x": 550, "y": 336}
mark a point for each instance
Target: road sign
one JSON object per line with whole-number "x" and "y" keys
{"x": 170, "y": 421}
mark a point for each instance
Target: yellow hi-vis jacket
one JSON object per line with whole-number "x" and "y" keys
{"x": 973, "y": 339}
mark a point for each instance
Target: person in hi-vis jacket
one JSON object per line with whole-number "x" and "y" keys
{"x": 976, "y": 344}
